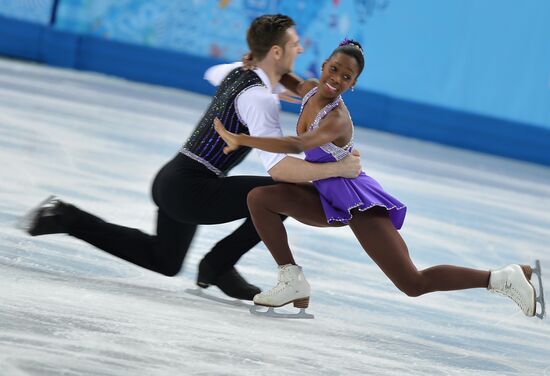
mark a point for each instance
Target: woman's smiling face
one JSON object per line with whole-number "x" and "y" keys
{"x": 339, "y": 73}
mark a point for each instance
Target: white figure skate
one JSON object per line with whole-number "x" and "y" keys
{"x": 292, "y": 287}
{"x": 514, "y": 282}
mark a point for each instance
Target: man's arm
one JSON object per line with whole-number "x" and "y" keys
{"x": 296, "y": 170}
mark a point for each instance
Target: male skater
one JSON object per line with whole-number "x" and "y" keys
{"x": 193, "y": 189}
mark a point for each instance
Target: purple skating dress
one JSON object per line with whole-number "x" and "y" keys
{"x": 340, "y": 195}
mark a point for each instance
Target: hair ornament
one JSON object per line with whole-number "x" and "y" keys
{"x": 352, "y": 43}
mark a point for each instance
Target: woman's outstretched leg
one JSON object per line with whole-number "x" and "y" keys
{"x": 384, "y": 245}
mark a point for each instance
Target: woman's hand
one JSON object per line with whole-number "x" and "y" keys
{"x": 231, "y": 139}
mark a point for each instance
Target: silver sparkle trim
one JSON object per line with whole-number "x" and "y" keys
{"x": 202, "y": 161}
{"x": 332, "y": 219}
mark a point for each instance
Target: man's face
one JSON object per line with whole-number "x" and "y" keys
{"x": 292, "y": 49}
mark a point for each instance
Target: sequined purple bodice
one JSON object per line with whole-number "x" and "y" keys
{"x": 327, "y": 152}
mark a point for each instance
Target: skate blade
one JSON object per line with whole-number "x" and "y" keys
{"x": 229, "y": 301}
{"x": 25, "y": 222}
{"x": 256, "y": 310}
{"x": 540, "y": 298}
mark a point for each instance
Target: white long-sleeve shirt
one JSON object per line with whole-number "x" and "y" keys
{"x": 258, "y": 108}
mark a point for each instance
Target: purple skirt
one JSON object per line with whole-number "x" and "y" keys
{"x": 340, "y": 195}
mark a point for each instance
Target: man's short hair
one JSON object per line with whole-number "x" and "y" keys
{"x": 267, "y": 31}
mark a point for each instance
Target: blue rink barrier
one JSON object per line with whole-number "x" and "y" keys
{"x": 486, "y": 134}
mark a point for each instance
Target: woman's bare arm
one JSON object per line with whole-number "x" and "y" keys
{"x": 332, "y": 128}
{"x": 298, "y": 85}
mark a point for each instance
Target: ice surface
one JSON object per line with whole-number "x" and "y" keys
{"x": 67, "y": 308}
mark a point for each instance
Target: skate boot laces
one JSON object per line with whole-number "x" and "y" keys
{"x": 287, "y": 274}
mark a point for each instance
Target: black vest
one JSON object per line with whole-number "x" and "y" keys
{"x": 205, "y": 145}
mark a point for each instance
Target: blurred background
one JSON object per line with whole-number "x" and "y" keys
{"x": 466, "y": 73}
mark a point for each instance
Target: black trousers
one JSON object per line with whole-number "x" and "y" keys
{"x": 187, "y": 194}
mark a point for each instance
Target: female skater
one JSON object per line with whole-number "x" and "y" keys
{"x": 325, "y": 134}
